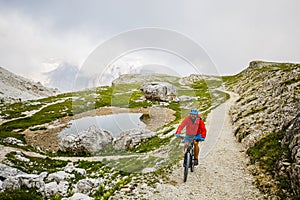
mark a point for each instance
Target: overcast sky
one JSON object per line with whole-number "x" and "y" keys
{"x": 36, "y": 36}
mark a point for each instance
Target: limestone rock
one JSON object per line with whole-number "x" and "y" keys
{"x": 293, "y": 139}
{"x": 60, "y": 176}
{"x": 70, "y": 168}
{"x": 53, "y": 188}
{"x": 78, "y": 196}
{"x": 7, "y": 171}
{"x": 130, "y": 138}
{"x": 89, "y": 141}
{"x": 87, "y": 186}
{"x": 13, "y": 141}
{"x": 160, "y": 91}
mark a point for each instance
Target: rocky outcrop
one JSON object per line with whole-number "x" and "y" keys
{"x": 131, "y": 138}
{"x": 89, "y": 141}
{"x": 46, "y": 184}
{"x": 17, "y": 88}
{"x": 292, "y": 139}
{"x": 269, "y": 99}
{"x": 269, "y": 103}
{"x": 160, "y": 91}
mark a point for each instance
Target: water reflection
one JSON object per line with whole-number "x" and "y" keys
{"x": 115, "y": 123}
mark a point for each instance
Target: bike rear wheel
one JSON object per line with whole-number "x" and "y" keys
{"x": 186, "y": 166}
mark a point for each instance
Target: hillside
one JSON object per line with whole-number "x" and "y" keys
{"x": 264, "y": 111}
{"x": 34, "y": 126}
{"x": 17, "y": 88}
{"x": 266, "y": 121}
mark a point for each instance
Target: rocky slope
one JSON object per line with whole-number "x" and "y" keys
{"x": 17, "y": 88}
{"x": 269, "y": 106}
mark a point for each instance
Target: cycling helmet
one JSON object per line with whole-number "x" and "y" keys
{"x": 194, "y": 111}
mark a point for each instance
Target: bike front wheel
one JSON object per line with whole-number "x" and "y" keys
{"x": 187, "y": 165}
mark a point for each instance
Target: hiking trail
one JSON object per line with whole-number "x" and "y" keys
{"x": 222, "y": 171}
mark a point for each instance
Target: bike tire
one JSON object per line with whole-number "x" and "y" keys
{"x": 186, "y": 167}
{"x": 192, "y": 166}
{"x": 192, "y": 163}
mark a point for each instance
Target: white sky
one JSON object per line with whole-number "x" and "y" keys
{"x": 37, "y": 35}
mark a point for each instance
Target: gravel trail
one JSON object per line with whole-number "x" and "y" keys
{"x": 222, "y": 172}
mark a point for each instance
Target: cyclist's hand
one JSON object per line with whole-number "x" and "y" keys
{"x": 197, "y": 138}
{"x": 202, "y": 139}
{"x": 177, "y": 135}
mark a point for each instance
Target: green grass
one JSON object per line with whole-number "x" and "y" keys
{"x": 21, "y": 194}
{"x": 11, "y": 134}
{"x": 47, "y": 114}
{"x": 267, "y": 152}
{"x": 36, "y": 164}
{"x": 151, "y": 144}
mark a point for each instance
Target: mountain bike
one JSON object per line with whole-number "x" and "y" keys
{"x": 188, "y": 161}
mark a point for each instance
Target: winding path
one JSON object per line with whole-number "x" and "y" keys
{"x": 222, "y": 172}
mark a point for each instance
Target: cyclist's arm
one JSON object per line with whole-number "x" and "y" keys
{"x": 181, "y": 126}
{"x": 202, "y": 129}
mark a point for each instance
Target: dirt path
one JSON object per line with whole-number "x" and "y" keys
{"x": 222, "y": 172}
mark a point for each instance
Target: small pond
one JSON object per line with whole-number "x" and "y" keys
{"x": 115, "y": 123}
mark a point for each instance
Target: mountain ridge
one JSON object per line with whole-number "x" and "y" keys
{"x": 265, "y": 118}
{"x": 17, "y": 88}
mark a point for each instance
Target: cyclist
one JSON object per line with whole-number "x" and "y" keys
{"x": 195, "y": 131}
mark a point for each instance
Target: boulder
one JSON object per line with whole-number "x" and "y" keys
{"x": 52, "y": 188}
{"x": 70, "y": 168}
{"x": 130, "y": 138}
{"x": 60, "y": 176}
{"x": 7, "y": 171}
{"x": 11, "y": 183}
{"x": 33, "y": 181}
{"x": 91, "y": 140}
{"x": 13, "y": 141}
{"x": 160, "y": 91}
{"x": 87, "y": 186}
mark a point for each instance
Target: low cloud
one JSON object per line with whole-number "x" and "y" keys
{"x": 29, "y": 49}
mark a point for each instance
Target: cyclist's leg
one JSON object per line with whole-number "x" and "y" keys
{"x": 196, "y": 149}
{"x": 187, "y": 140}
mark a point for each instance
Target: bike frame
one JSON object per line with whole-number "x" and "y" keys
{"x": 188, "y": 161}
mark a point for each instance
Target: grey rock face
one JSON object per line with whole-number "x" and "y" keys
{"x": 160, "y": 91}
{"x": 269, "y": 102}
{"x": 89, "y": 141}
{"x": 130, "y": 138}
{"x": 292, "y": 138}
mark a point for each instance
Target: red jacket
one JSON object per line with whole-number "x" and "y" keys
{"x": 195, "y": 128}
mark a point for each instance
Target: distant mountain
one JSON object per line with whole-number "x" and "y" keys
{"x": 18, "y": 88}
{"x": 63, "y": 77}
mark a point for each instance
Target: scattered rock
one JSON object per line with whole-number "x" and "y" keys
{"x": 148, "y": 170}
{"x": 160, "y": 91}
{"x": 87, "y": 186}
{"x": 13, "y": 141}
